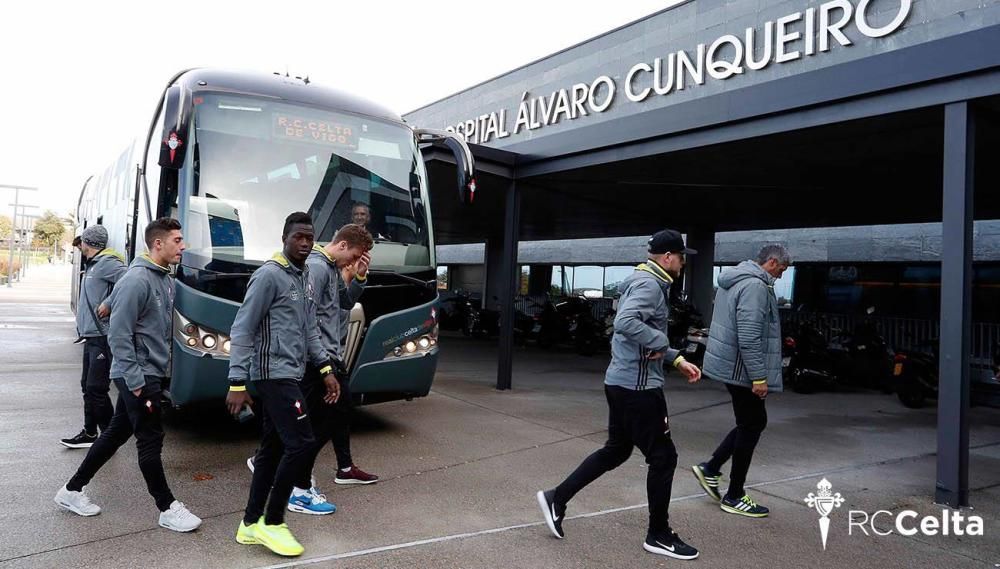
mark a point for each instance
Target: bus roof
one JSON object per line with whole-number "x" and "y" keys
{"x": 283, "y": 87}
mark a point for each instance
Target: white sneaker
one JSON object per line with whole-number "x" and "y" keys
{"x": 179, "y": 518}
{"x": 76, "y": 502}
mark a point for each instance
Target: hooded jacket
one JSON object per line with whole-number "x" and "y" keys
{"x": 99, "y": 278}
{"x": 744, "y": 342}
{"x": 275, "y": 329}
{"x": 141, "y": 323}
{"x": 641, "y": 330}
{"x": 333, "y": 300}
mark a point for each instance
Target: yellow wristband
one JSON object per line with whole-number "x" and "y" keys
{"x": 360, "y": 278}
{"x": 237, "y": 388}
{"x": 759, "y": 381}
{"x": 326, "y": 370}
{"x": 679, "y": 361}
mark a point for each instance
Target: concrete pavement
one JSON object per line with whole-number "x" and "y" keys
{"x": 460, "y": 469}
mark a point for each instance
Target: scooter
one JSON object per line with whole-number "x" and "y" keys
{"x": 570, "y": 320}
{"x": 807, "y": 363}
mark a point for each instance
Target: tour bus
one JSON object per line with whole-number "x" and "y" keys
{"x": 230, "y": 155}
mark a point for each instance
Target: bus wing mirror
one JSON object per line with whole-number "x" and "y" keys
{"x": 177, "y": 102}
{"x": 464, "y": 162}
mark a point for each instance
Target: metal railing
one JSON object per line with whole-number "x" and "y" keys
{"x": 901, "y": 334}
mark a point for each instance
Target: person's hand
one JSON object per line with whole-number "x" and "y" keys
{"x": 236, "y": 400}
{"x": 690, "y": 370}
{"x": 103, "y": 310}
{"x": 348, "y": 272}
{"x": 760, "y": 389}
{"x": 136, "y": 392}
{"x": 363, "y": 262}
{"x": 332, "y": 389}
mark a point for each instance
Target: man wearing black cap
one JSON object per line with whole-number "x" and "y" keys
{"x": 633, "y": 386}
{"x": 102, "y": 269}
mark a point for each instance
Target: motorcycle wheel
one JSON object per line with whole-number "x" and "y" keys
{"x": 586, "y": 347}
{"x": 911, "y": 396}
{"x": 801, "y": 385}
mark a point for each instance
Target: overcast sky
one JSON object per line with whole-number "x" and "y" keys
{"x": 81, "y": 79}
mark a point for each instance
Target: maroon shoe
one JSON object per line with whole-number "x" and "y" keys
{"x": 355, "y": 476}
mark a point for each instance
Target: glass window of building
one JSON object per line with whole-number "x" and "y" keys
{"x": 613, "y": 276}
{"x": 589, "y": 281}
{"x": 442, "y": 277}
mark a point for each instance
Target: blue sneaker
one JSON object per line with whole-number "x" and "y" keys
{"x": 311, "y": 502}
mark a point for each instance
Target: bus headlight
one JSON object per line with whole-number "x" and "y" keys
{"x": 199, "y": 338}
{"x": 415, "y": 347}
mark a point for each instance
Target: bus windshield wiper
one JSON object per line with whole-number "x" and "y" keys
{"x": 429, "y": 284}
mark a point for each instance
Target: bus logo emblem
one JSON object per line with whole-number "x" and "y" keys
{"x": 173, "y": 142}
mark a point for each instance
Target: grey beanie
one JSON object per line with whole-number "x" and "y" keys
{"x": 95, "y": 236}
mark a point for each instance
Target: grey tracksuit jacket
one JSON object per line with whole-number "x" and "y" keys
{"x": 744, "y": 342}
{"x": 99, "y": 278}
{"x": 141, "y": 323}
{"x": 275, "y": 329}
{"x": 641, "y": 330}
{"x": 333, "y": 300}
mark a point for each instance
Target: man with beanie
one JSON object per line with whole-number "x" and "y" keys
{"x": 139, "y": 335}
{"x": 744, "y": 352}
{"x": 102, "y": 269}
{"x": 633, "y": 386}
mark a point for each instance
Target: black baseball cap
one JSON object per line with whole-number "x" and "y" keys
{"x": 668, "y": 241}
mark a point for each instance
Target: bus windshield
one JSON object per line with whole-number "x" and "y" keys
{"x": 257, "y": 160}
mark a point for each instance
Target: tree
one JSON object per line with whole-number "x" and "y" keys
{"x": 49, "y": 229}
{"x": 5, "y": 226}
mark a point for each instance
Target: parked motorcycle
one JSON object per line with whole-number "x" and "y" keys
{"x": 570, "y": 320}
{"x": 915, "y": 376}
{"x": 807, "y": 364}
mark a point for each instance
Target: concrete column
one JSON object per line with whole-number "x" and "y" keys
{"x": 509, "y": 279}
{"x": 540, "y": 279}
{"x": 956, "y": 307}
{"x": 699, "y": 281}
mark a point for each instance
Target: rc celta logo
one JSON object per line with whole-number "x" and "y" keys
{"x": 905, "y": 522}
{"x": 824, "y": 501}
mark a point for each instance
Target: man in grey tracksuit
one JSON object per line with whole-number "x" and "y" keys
{"x": 103, "y": 268}
{"x": 744, "y": 352}
{"x": 633, "y": 386}
{"x": 139, "y": 336}
{"x": 274, "y": 336}
{"x": 348, "y": 249}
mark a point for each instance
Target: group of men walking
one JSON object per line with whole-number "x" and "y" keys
{"x": 286, "y": 340}
{"x": 744, "y": 353}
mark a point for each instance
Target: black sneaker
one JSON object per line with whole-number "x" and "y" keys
{"x": 670, "y": 544}
{"x": 554, "y": 513}
{"x": 744, "y": 507}
{"x": 709, "y": 482}
{"x": 81, "y": 440}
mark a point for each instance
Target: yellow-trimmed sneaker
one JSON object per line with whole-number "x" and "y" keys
{"x": 247, "y": 534}
{"x": 278, "y": 539}
{"x": 745, "y": 506}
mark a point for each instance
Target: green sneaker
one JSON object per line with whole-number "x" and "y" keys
{"x": 247, "y": 534}
{"x": 278, "y": 539}
{"x": 744, "y": 507}
{"x": 708, "y": 483}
